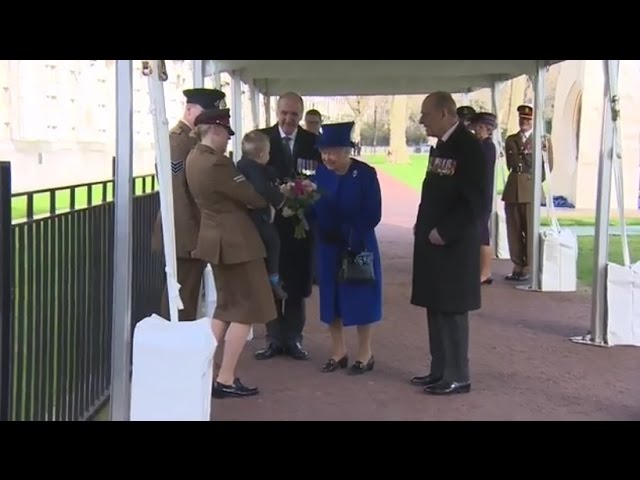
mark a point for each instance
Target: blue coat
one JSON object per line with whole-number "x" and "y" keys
{"x": 350, "y": 204}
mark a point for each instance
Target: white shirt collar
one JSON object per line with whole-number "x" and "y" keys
{"x": 526, "y": 134}
{"x": 446, "y": 136}
{"x": 292, "y": 136}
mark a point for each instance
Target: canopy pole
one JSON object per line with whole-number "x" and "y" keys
{"x": 267, "y": 108}
{"x": 236, "y": 115}
{"x": 255, "y": 105}
{"x": 538, "y": 132}
{"x": 215, "y": 75}
{"x": 123, "y": 189}
{"x": 197, "y": 69}
{"x": 156, "y": 74}
{"x": 497, "y": 137}
{"x": 496, "y": 204}
{"x": 597, "y": 335}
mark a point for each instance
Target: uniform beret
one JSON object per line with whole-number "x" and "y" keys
{"x": 207, "y": 98}
{"x": 215, "y": 116}
{"x": 525, "y": 111}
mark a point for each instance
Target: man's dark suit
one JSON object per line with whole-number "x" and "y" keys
{"x": 285, "y": 332}
{"x": 446, "y": 279}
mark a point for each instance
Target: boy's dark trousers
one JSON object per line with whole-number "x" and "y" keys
{"x": 271, "y": 241}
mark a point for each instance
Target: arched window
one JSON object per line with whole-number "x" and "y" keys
{"x": 577, "y": 116}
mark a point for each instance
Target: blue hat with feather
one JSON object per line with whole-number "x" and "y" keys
{"x": 335, "y": 135}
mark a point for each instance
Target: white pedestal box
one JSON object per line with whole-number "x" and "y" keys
{"x": 172, "y": 370}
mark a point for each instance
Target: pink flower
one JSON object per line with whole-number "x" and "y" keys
{"x": 300, "y": 193}
{"x": 309, "y": 186}
{"x": 299, "y": 188}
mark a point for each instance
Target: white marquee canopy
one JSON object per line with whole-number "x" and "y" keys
{"x": 371, "y": 77}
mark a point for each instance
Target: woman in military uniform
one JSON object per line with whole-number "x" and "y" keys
{"x": 230, "y": 242}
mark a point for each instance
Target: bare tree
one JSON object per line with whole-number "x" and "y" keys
{"x": 398, "y": 130}
{"x": 528, "y": 91}
{"x": 358, "y": 106}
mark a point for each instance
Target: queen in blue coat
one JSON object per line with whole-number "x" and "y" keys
{"x": 346, "y": 216}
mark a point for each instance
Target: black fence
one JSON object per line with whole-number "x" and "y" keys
{"x": 57, "y": 299}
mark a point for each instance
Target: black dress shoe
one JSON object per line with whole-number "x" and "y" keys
{"x": 296, "y": 351}
{"x": 358, "y": 368}
{"x": 221, "y": 390}
{"x": 332, "y": 364}
{"x": 448, "y": 388}
{"x": 269, "y": 352}
{"x": 425, "y": 380}
{"x": 487, "y": 281}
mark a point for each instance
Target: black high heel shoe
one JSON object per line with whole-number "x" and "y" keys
{"x": 358, "y": 368}
{"x": 332, "y": 365}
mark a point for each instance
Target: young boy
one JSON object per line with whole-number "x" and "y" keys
{"x": 252, "y": 164}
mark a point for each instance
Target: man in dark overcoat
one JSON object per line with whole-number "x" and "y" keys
{"x": 446, "y": 256}
{"x": 293, "y": 152}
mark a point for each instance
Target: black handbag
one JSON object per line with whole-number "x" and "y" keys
{"x": 356, "y": 266}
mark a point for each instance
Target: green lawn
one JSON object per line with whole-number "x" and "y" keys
{"x": 585, "y": 255}
{"x": 42, "y": 201}
{"x": 412, "y": 174}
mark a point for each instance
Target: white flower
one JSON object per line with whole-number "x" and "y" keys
{"x": 287, "y": 212}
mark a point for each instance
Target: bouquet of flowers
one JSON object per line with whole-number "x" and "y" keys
{"x": 300, "y": 193}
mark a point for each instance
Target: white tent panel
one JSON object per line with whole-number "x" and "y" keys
{"x": 372, "y": 77}
{"x": 331, "y": 87}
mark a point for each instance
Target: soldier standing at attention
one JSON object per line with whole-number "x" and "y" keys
{"x": 186, "y": 212}
{"x": 518, "y": 191}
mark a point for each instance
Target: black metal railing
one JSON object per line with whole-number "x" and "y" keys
{"x": 61, "y": 287}
{"x": 6, "y": 265}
